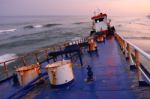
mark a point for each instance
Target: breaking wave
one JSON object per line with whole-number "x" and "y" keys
{"x": 32, "y": 26}
{"x": 29, "y": 27}
{"x": 9, "y": 30}
{"x": 40, "y": 26}
{"x": 78, "y": 23}
{"x": 6, "y": 57}
{"x": 50, "y": 25}
{"x": 37, "y": 26}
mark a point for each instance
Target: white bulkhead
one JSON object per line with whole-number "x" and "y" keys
{"x": 100, "y": 26}
{"x": 100, "y": 22}
{"x": 60, "y": 72}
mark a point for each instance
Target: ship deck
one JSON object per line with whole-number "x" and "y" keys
{"x": 113, "y": 78}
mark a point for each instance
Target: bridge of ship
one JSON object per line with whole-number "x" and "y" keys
{"x": 113, "y": 75}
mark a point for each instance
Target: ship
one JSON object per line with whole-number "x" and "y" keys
{"x": 102, "y": 65}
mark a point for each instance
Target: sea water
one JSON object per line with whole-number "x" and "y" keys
{"x": 24, "y": 34}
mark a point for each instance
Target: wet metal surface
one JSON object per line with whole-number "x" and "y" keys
{"x": 112, "y": 78}
{"x": 111, "y": 73}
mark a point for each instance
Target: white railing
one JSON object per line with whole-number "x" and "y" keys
{"x": 126, "y": 48}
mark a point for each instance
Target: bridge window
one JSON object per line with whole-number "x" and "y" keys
{"x": 98, "y": 20}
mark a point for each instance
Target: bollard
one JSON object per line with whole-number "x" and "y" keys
{"x": 26, "y": 74}
{"x": 60, "y": 72}
{"x": 92, "y": 45}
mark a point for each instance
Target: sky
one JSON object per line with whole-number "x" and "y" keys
{"x": 74, "y": 7}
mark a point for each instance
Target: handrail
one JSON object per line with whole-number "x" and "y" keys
{"x": 147, "y": 56}
{"x": 144, "y": 74}
{"x": 125, "y": 46}
{"x": 123, "y": 43}
{"x": 35, "y": 53}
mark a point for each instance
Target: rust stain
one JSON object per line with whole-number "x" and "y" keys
{"x": 54, "y": 78}
{"x": 26, "y": 71}
{"x": 92, "y": 45}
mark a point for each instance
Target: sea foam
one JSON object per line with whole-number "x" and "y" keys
{"x": 9, "y": 30}
{"x": 37, "y": 26}
{"x": 6, "y": 57}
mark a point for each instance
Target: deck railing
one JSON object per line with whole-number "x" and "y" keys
{"x": 6, "y": 72}
{"x": 137, "y": 58}
{"x": 129, "y": 49}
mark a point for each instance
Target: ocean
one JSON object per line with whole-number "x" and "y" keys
{"x": 24, "y": 34}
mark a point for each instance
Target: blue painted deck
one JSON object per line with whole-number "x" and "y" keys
{"x": 113, "y": 79}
